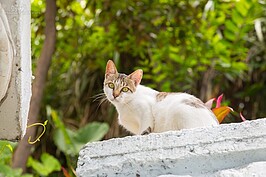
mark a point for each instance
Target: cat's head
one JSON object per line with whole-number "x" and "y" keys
{"x": 120, "y": 88}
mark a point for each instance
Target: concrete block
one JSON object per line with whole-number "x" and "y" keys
{"x": 255, "y": 169}
{"x": 15, "y": 106}
{"x": 191, "y": 152}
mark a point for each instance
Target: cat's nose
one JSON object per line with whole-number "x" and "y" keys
{"x": 116, "y": 93}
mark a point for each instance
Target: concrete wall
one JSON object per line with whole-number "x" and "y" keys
{"x": 14, "y": 108}
{"x": 238, "y": 148}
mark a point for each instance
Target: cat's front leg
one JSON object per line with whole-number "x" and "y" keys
{"x": 147, "y": 131}
{"x": 147, "y": 122}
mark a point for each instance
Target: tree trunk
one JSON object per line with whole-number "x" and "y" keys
{"x": 206, "y": 85}
{"x": 23, "y": 150}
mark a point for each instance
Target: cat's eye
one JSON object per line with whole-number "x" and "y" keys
{"x": 111, "y": 85}
{"x": 125, "y": 89}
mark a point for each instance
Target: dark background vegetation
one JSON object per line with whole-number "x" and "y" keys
{"x": 200, "y": 47}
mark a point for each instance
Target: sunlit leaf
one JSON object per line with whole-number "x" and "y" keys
{"x": 36, "y": 165}
{"x": 241, "y": 8}
{"x": 91, "y": 132}
{"x": 50, "y": 162}
{"x": 47, "y": 165}
{"x": 9, "y": 147}
{"x": 6, "y": 150}
{"x": 229, "y": 35}
{"x": 237, "y": 18}
{"x": 7, "y": 171}
{"x": 65, "y": 145}
{"x": 70, "y": 141}
{"x": 231, "y": 26}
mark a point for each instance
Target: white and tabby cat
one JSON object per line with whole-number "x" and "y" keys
{"x": 143, "y": 110}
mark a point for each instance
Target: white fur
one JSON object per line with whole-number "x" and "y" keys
{"x": 139, "y": 110}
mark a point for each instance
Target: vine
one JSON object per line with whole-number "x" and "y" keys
{"x": 38, "y": 138}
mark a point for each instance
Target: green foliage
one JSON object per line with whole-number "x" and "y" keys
{"x": 201, "y": 47}
{"x": 46, "y": 166}
{"x": 207, "y": 41}
{"x": 7, "y": 171}
{"x": 6, "y": 150}
{"x": 69, "y": 141}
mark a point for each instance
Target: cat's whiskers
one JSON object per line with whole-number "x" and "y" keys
{"x": 103, "y": 100}
{"x": 99, "y": 96}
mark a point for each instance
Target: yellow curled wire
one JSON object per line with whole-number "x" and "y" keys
{"x": 38, "y": 138}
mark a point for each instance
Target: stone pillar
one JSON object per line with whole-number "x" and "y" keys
{"x": 14, "y": 106}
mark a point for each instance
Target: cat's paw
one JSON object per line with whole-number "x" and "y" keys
{"x": 147, "y": 131}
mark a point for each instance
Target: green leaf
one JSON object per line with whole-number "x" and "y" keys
{"x": 252, "y": 90}
{"x": 50, "y": 162}
{"x": 26, "y": 175}
{"x": 229, "y": 35}
{"x": 76, "y": 7}
{"x": 237, "y": 18}
{"x": 9, "y": 147}
{"x": 239, "y": 66}
{"x": 61, "y": 131}
{"x": 231, "y": 26}
{"x": 47, "y": 165}
{"x": 37, "y": 166}
{"x": 241, "y": 8}
{"x": 91, "y": 132}
{"x": 69, "y": 141}
{"x": 7, "y": 171}
{"x": 64, "y": 145}
{"x": 6, "y": 149}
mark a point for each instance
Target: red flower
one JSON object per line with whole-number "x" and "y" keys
{"x": 219, "y": 111}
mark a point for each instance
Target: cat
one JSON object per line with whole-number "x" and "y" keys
{"x": 142, "y": 110}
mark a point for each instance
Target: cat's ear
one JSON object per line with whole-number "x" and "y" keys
{"x": 136, "y": 76}
{"x": 110, "y": 68}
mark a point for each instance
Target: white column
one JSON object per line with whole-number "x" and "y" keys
{"x": 15, "y": 106}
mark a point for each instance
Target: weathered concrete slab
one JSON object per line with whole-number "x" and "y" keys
{"x": 255, "y": 169}
{"x": 193, "y": 152}
{"x": 14, "y": 107}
